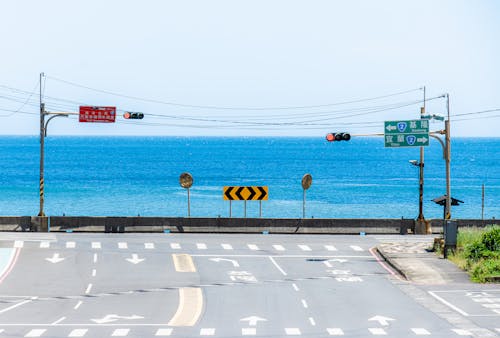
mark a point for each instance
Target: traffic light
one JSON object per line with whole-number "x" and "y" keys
{"x": 331, "y": 137}
{"x": 133, "y": 116}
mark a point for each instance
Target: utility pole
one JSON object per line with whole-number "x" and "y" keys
{"x": 448, "y": 160}
{"x": 41, "y": 213}
{"x": 421, "y": 218}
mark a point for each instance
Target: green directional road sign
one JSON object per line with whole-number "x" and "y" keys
{"x": 412, "y": 133}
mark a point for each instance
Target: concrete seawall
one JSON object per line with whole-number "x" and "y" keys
{"x": 222, "y": 225}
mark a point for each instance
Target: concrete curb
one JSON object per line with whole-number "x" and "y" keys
{"x": 395, "y": 266}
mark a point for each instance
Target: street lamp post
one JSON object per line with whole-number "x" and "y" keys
{"x": 420, "y": 164}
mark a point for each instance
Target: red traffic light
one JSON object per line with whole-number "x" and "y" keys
{"x": 136, "y": 116}
{"x": 331, "y": 137}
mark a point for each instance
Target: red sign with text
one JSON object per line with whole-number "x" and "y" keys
{"x": 97, "y": 114}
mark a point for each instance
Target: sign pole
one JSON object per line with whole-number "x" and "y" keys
{"x": 260, "y": 209}
{"x": 41, "y": 213}
{"x": 245, "y": 208}
{"x": 230, "y": 209}
{"x": 189, "y": 204}
{"x": 304, "y": 204}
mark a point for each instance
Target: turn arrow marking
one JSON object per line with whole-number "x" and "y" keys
{"x": 135, "y": 259}
{"x": 384, "y": 321}
{"x": 252, "y": 320}
{"x": 113, "y": 318}
{"x": 232, "y": 261}
{"x": 55, "y": 258}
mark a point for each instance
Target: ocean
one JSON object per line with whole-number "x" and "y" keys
{"x": 130, "y": 176}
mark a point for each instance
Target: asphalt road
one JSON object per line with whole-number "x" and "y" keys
{"x": 193, "y": 285}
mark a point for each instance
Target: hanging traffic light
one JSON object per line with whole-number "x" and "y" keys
{"x": 331, "y": 137}
{"x": 133, "y": 116}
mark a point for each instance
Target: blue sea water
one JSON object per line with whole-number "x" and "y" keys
{"x": 105, "y": 176}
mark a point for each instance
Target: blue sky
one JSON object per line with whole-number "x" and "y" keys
{"x": 228, "y": 68}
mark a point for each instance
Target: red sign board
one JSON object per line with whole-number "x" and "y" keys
{"x": 97, "y": 114}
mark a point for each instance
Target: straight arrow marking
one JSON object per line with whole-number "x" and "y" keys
{"x": 135, "y": 259}
{"x": 384, "y": 321}
{"x": 55, "y": 259}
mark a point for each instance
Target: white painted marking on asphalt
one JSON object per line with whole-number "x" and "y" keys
{"x": 96, "y": 245}
{"x": 175, "y": 246}
{"x": 328, "y": 264}
{"x": 122, "y": 245}
{"x": 35, "y": 333}
{"x": 377, "y": 331}
{"x": 70, "y": 245}
{"x": 253, "y": 320}
{"x": 304, "y": 303}
{"x": 78, "y": 333}
{"x": 497, "y": 311}
{"x": 491, "y": 306}
{"x": 149, "y": 246}
{"x": 94, "y": 272}
{"x": 382, "y": 320}
{"x": 253, "y": 247}
{"x": 420, "y": 331}
{"x": 55, "y": 259}
{"x": 89, "y": 287}
{"x": 292, "y": 331}
{"x": 277, "y": 266}
{"x": 120, "y": 333}
{"x": 207, "y": 332}
{"x": 448, "y": 304}
{"x": 95, "y": 258}
{"x": 335, "y": 331}
{"x": 201, "y": 246}
{"x": 15, "y": 305}
{"x": 278, "y": 247}
{"x": 249, "y": 331}
{"x": 227, "y": 246}
{"x": 18, "y": 244}
{"x": 44, "y": 245}
{"x": 232, "y": 261}
{"x": 78, "y": 305}
{"x": 304, "y": 247}
{"x": 461, "y": 332}
{"x": 356, "y": 248}
{"x": 498, "y": 330}
{"x": 135, "y": 259}
{"x": 330, "y": 248}
{"x": 163, "y": 332}
{"x": 58, "y": 321}
{"x": 311, "y": 320}
{"x": 295, "y": 287}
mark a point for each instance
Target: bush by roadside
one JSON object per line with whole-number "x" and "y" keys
{"x": 478, "y": 252}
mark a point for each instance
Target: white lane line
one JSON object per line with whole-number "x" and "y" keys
{"x": 78, "y": 333}
{"x": 94, "y": 272}
{"x": 18, "y": 244}
{"x": 78, "y": 305}
{"x": 149, "y": 246}
{"x": 448, "y": 304}
{"x": 207, "y": 332}
{"x": 277, "y": 266}
{"x": 491, "y": 306}
{"x": 311, "y": 320}
{"x": 15, "y": 305}
{"x": 356, "y": 248}
{"x": 44, "y": 244}
{"x": 292, "y": 331}
{"x": 70, "y": 245}
{"x": 330, "y": 248}
{"x": 227, "y": 246}
{"x": 89, "y": 287}
{"x": 248, "y": 331}
{"x": 253, "y": 247}
{"x": 461, "y": 332}
{"x": 35, "y": 333}
{"x": 122, "y": 245}
{"x": 335, "y": 331}
{"x": 278, "y": 247}
{"x": 163, "y": 332}
{"x": 295, "y": 287}
{"x": 58, "y": 321}
{"x": 95, "y": 258}
{"x": 328, "y": 264}
{"x": 201, "y": 246}
{"x": 175, "y": 246}
{"x": 304, "y": 303}
{"x": 420, "y": 331}
{"x": 96, "y": 245}
{"x": 377, "y": 331}
{"x": 304, "y": 247}
{"x": 120, "y": 333}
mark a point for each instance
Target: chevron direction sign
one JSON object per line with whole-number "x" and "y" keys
{"x": 245, "y": 193}
{"x": 413, "y": 133}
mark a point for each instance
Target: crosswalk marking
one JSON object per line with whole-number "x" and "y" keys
{"x": 201, "y": 246}
{"x": 78, "y": 333}
{"x": 207, "y": 332}
{"x": 292, "y": 331}
{"x": 70, "y": 245}
{"x": 420, "y": 331}
{"x": 461, "y": 332}
{"x": 163, "y": 332}
{"x": 120, "y": 332}
{"x": 35, "y": 333}
{"x": 356, "y": 248}
{"x": 227, "y": 246}
{"x": 249, "y": 331}
{"x": 335, "y": 331}
{"x": 304, "y": 247}
{"x": 278, "y": 247}
{"x": 18, "y": 244}
{"x": 377, "y": 331}
{"x": 44, "y": 245}
{"x": 149, "y": 246}
{"x": 175, "y": 246}
{"x": 330, "y": 248}
{"x": 96, "y": 245}
{"x": 122, "y": 245}
{"x": 253, "y": 247}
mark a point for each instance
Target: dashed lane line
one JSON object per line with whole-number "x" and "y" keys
{"x": 44, "y": 244}
{"x": 462, "y": 332}
{"x": 292, "y": 331}
{"x": 207, "y": 332}
{"x": 18, "y": 244}
{"x": 226, "y": 246}
{"x": 356, "y": 248}
{"x": 78, "y": 333}
{"x": 70, "y": 245}
{"x": 248, "y": 331}
{"x": 420, "y": 331}
{"x": 253, "y": 247}
{"x": 36, "y": 333}
{"x": 304, "y": 247}
{"x": 377, "y": 331}
{"x": 149, "y": 246}
{"x": 122, "y": 245}
{"x": 335, "y": 331}
{"x": 175, "y": 246}
{"x": 278, "y": 247}
{"x": 96, "y": 245}
{"x": 120, "y": 333}
{"x": 201, "y": 246}
{"x": 163, "y": 332}
{"x": 330, "y": 248}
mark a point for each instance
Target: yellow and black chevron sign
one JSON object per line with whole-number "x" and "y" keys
{"x": 245, "y": 193}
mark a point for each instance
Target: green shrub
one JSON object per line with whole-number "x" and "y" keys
{"x": 491, "y": 239}
{"x": 474, "y": 251}
{"x": 485, "y": 268}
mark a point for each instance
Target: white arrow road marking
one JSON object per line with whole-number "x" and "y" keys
{"x": 217, "y": 260}
{"x": 135, "y": 259}
{"x": 55, "y": 258}
{"x": 114, "y": 317}
{"x": 384, "y": 321}
{"x": 252, "y": 320}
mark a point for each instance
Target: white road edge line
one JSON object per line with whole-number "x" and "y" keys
{"x": 15, "y": 305}
{"x": 304, "y": 303}
{"x": 78, "y": 305}
{"x": 311, "y": 320}
{"x": 295, "y": 287}
{"x": 58, "y": 321}
{"x": 89, "y": 287}
{"x": 448, "y": 304}
{"x": 277, "y": 266}
{"x": 95, "y": 258}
